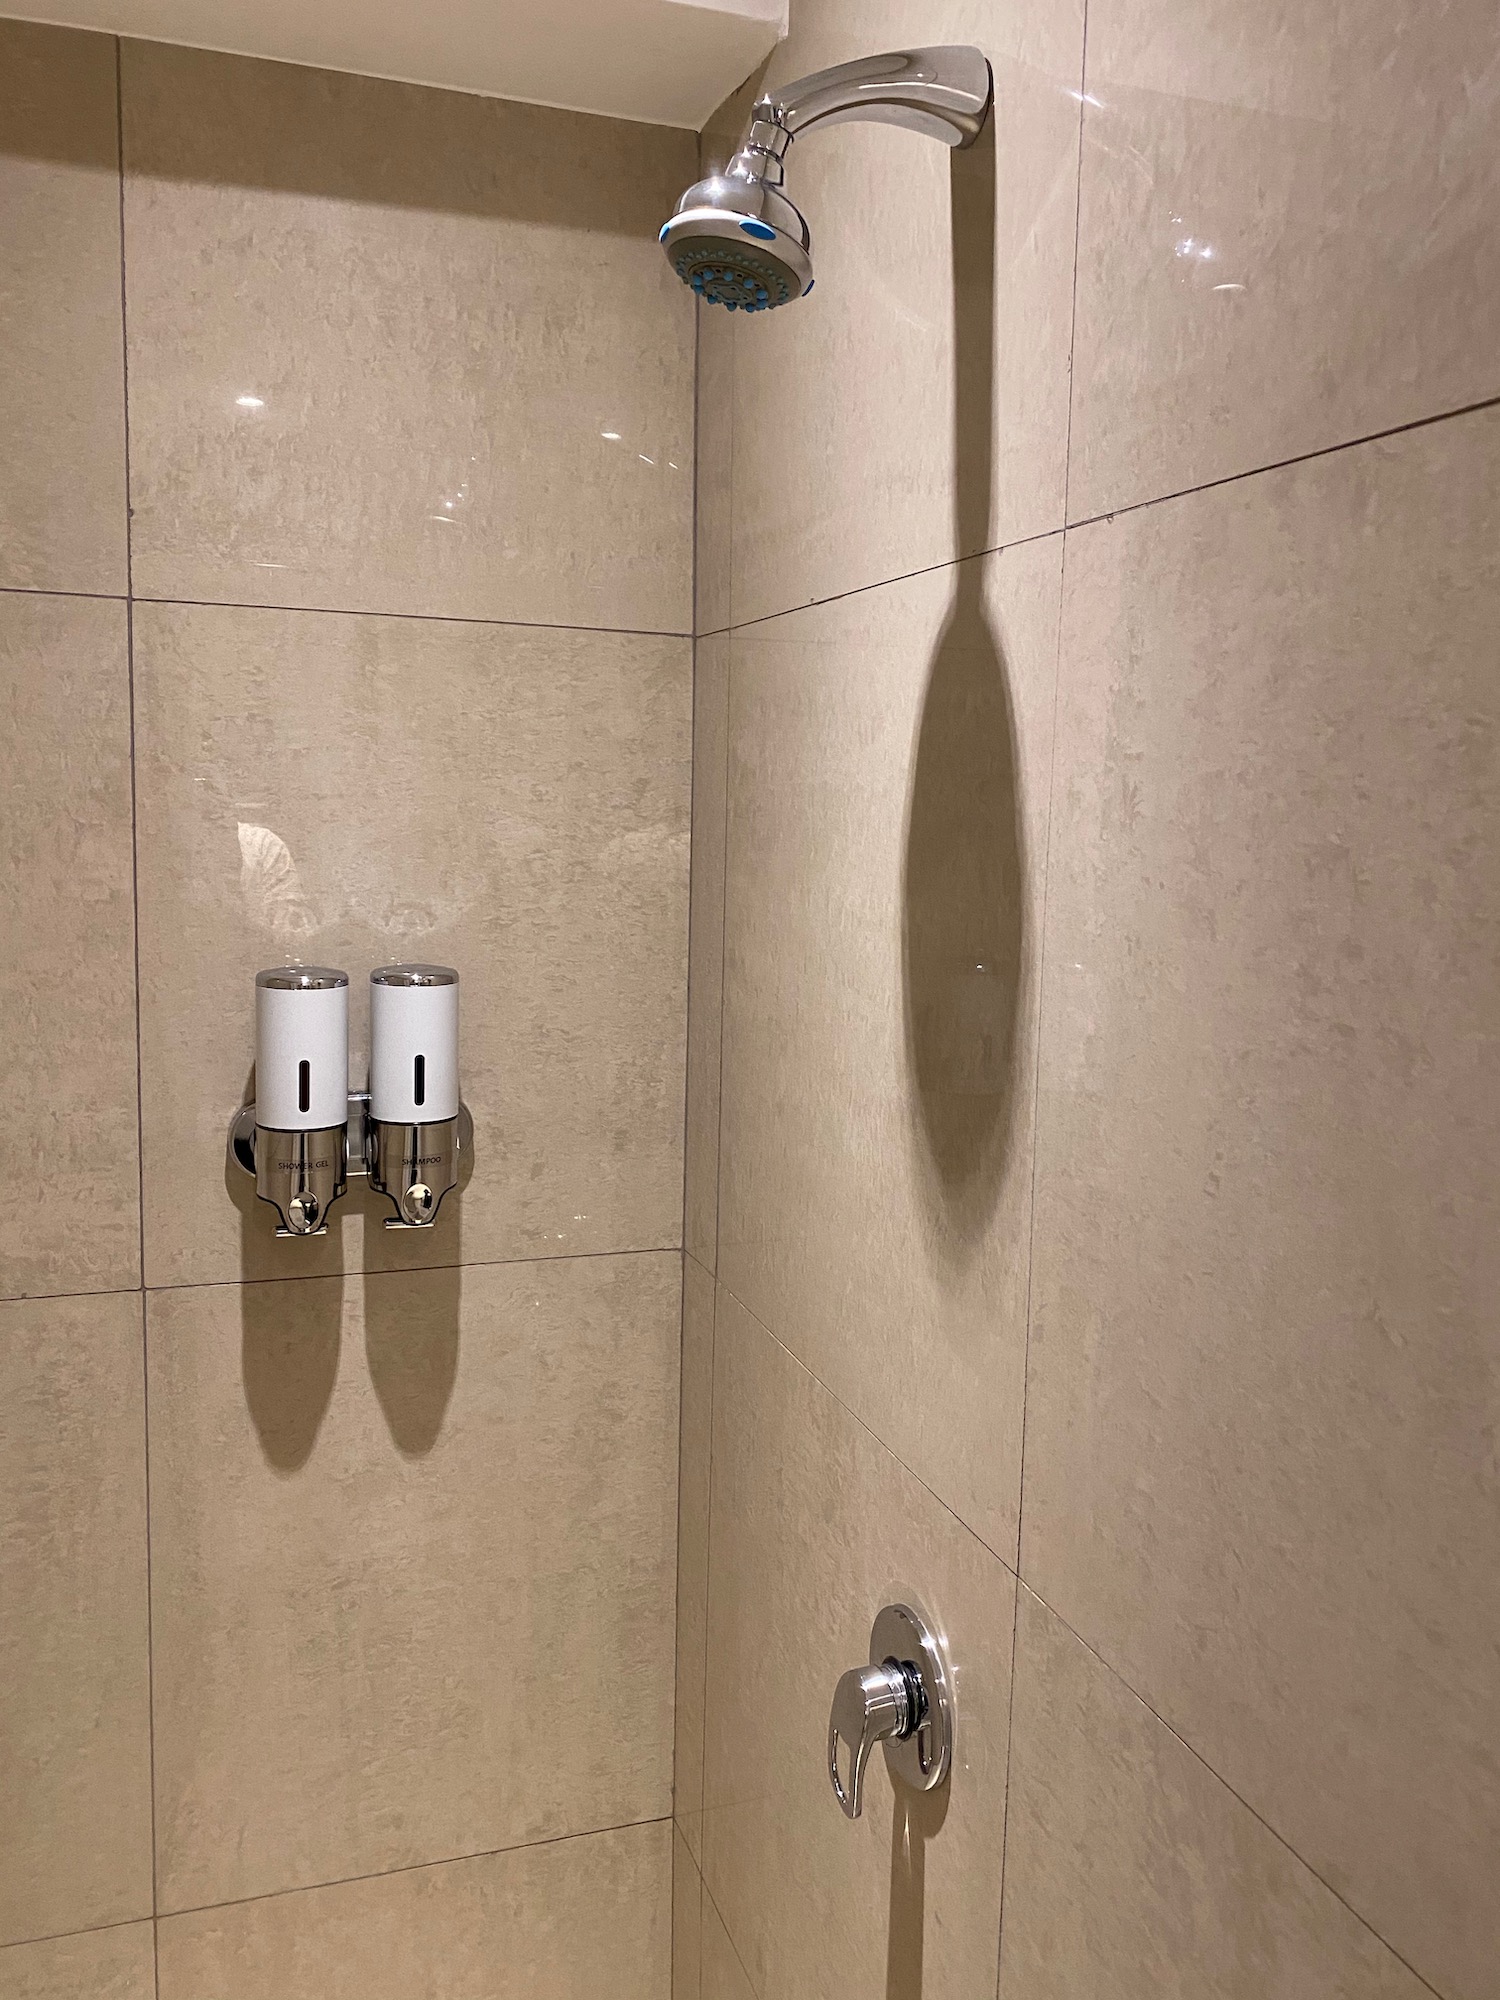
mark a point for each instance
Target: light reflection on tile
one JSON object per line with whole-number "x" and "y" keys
{"x": 404, "y": 350}
{"x": 1289, "y": 234}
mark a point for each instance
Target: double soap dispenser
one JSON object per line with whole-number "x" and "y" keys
{"x": 307, "y": 1132}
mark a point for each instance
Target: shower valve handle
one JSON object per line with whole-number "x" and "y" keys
{"x": 901, "y": 1699}
{"x": 870, "y": 1704}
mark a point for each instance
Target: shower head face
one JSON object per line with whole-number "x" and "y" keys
{"x": 734, "y": 257}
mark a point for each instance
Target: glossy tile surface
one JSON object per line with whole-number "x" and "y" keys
{"x": 1260, "y": 1457}
{"x": 692, "y": 1546}
{"x": 1289, "y": 234}
{"x": 116, "y": 1964}
{"x": 914, "y": 407}
{"x": 687, "y": 1922}
{"x": 388, "y": 1520}
{"x": 815, "y": 1526}
{"x": 67, "y": 973}
{"x": 511, "y": 802}
{"x": 569, "y": 1920}
{"x": 62, "y": 386}
{"x": 75, "y": 1835}
{"x": 1132, "y": 1873}
{"x": 706, "y": 949}
{"x": 471, "y": 369}
{"x": 889, "y": 759}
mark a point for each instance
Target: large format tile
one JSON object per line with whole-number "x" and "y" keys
{"x": 1133, "y": 1873}
{"x": 114, "y": 1964}
{"x": 1260, "y": 1452}
{"x": 888, "y": 777}
{"x": 1289, "y": 233}
{"x": 75, "y": 1774}
{"x": 566, "y": 1921}
{"x": 692, "y": 1546}
{"x": 914, "y": 407}
{"x": 70, "y": 1191}
{"x": 450, "y": 312}
{"x": 700, "y": 1223}
{"x": 355, "y": 790}
{"x": 815, "y": 1526}
{"x": 412, "y": 1566}
{"x": 62, "y": 386}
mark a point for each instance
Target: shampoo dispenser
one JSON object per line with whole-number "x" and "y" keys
{"x": 412, "y": 1138}
{"x": 301, "y": 1093}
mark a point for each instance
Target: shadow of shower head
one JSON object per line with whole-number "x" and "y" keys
{"x": 738, "y": 241}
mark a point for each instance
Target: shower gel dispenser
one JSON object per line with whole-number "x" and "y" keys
{"x": 298, "y": 1139}
{"x": 412, "y": 1133}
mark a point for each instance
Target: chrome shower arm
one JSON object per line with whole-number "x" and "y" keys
{"x": 942, "y": 93}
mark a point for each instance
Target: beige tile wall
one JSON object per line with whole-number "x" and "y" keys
{"x": 387, "y": 656}
{"x": 1165, "y": 1288}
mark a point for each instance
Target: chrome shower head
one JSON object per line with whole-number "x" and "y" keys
{"x": 738, "y": 241}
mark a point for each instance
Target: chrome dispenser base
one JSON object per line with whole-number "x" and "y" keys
{"x": 414, "y": 1166}
{"x": 302, "y": 1174}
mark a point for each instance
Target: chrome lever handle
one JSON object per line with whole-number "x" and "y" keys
{"x": 869, "y": 1704}
{"x": 903, "y": 1699}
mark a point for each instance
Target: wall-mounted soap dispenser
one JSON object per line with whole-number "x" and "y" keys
{"x": 412, "y": 1137}
{"x": 301, "y": 1109}
{"x": 307, "y": 1133}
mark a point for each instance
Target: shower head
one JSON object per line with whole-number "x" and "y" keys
{"x": 738, "y": 241}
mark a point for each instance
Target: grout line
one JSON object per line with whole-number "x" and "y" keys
{"x": 418, "y": 617}
{"x": 1219, "y": 1779}
{"x": 92, "y": 596}
{"x": 1083, "y": 86}
{"x": 738, "y": 1955}
{"x": 1112, "y": 513}
{"x": 1036, "y": 1072}
{"x": 885, "y": 582}
{"x": 1297, "y": 458}
{"x": 135, "y": 912}
{"x": 1041, "y": 974}
{"x": 417, "y": 1867}
{"x": 350, "y": 1271}
{"x": 404, "y": 1271}
{"x": 870, "y": 1432}
{"x": 84, "y": 1930}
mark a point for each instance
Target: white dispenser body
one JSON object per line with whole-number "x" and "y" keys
{"x": 301, "y": 1048}
{"x": 414, "y": 1044}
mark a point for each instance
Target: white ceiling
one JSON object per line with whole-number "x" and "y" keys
{"x": 662, "y": 61}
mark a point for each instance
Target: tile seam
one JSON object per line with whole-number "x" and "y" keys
{"x": 1285, "y": 464}
{"x": 1041, "y": 974}
{"x": 84, "y": 1930}
{"x": 872, "y": 1433}
{"x": 739, "y": 1957}
{"x": 1238, "y": 1796}
{"x": 135, "y": 914}
{"x": 410, "y": 617}
{"x": 413, "y": 1271}
{"x": 415, "y": 1867}
{"x": 1113, "y": 513}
